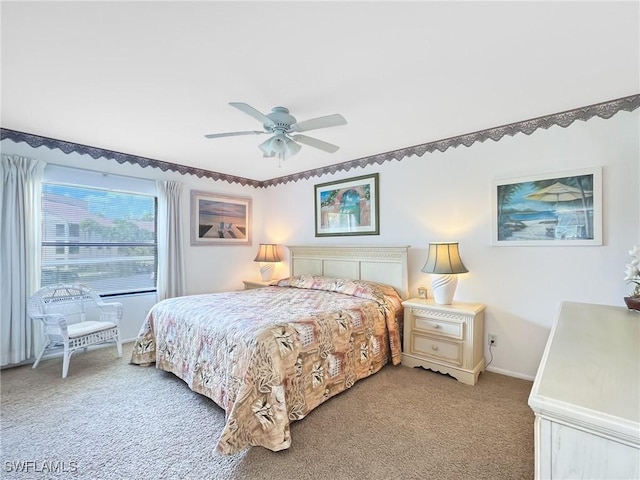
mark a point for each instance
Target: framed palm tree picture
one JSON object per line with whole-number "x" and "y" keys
{"x": 563, "y": 208}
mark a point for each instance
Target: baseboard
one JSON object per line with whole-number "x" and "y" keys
{"x": 509, "y": 373}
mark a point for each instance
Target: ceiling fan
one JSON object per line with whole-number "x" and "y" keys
{"x": 284, "y": 127}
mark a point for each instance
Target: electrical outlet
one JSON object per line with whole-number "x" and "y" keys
{"x": 493, "y": 340}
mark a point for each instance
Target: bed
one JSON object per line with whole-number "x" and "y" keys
{"x": 269, "y": 356}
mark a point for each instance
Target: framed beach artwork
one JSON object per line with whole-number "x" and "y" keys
{"x": 563, "y": 208}
{"x": 347, "y": 207}
{"x": 220, "y": 219}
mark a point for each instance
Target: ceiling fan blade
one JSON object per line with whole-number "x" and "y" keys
{"x": 320, "y": 122}
{"x": 314, "y": 142}
{"x": 234, "y": 134}
{"x": 249, "y": 110}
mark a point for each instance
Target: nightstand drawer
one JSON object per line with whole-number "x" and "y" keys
{"x": 428, "y": 346}
{"x": 433, "y": 325}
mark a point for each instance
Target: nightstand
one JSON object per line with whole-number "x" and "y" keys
{"x": 250, "y": 284}
{"x": 444, "y": 338}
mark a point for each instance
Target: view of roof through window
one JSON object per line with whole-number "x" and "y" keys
{"x": 102, "y": 238}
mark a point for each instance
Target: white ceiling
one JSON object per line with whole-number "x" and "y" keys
{"x": 151, "y": 78}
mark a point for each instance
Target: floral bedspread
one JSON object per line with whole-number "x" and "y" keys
{"x": 269, "y": 356}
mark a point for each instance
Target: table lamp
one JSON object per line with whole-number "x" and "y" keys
{"x": 443, "y": 261}
{"x": 267, "y": 256}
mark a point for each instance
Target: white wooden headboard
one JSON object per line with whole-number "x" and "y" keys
{"x": 376, "y": 264}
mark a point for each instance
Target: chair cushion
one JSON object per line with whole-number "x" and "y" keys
{"x": 85, "y": 328}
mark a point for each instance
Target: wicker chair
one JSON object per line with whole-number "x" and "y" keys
{"x": 75, "y": 317}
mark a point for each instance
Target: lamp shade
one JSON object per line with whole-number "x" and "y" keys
{"x": 267, "y": 253}
{"x": 291, "y": 147}
{"x": 444, "y": 258}
{"x": 278, "y": 144}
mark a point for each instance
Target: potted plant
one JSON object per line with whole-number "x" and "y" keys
{"x": 633, "y": 276}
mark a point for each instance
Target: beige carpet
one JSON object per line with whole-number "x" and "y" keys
{"x": 112, "y": 420}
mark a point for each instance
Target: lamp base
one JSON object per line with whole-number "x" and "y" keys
{"x": 444, "y": 287}
{"x": 266, "y": 271}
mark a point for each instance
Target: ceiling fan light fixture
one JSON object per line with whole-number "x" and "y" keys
{"x": 280, "y": 123}
{"x": 291, "y": 147}
{"x": 266, "y": 148}
{"x": 278, "y": 143}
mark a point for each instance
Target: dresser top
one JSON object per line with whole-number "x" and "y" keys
{"x": 590, "y": 369}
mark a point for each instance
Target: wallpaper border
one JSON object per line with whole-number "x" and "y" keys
{"x": 563, "y": 119}
{"x": 36, "y": 141}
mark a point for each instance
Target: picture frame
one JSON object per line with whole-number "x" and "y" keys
{"x": 220, "y": 219}
{"x": 347, "y": 207}
{"x": 555, "y": 209}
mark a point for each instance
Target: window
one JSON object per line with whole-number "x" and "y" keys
{"x": 102, "y": 238}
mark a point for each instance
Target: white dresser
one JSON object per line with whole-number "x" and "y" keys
{"x": 586, "y": 395}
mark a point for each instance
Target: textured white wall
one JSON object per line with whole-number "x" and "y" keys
{"x": 442, "y": 196}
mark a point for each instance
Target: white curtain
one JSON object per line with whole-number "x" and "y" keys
{"x": 170, "y": 240}
{"x": 20, "y": 221}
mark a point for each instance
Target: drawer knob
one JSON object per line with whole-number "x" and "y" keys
{"x": 436, "y": 325}
{"x": 434, "y": 347}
